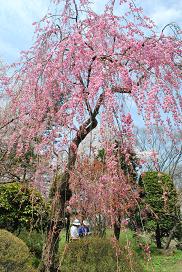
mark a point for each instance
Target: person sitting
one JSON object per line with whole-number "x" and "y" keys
{"x": 74, "y": 229}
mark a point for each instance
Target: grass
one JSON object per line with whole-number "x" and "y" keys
{"x": 162, "y": 263}
{"x": 159, "y": 262}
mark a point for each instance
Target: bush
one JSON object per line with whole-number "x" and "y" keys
{"x": 34, "y": 240}
{"x": 94, "y": 254}
{"x": 14, "y": 254}
{"x": 22, "y": 207}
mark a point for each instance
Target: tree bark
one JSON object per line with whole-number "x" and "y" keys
{"x": 117, "y": 228}
{"x": 170, "y": 237}
{"x": 158, "y": 236}
{"x": 50, "y": 260}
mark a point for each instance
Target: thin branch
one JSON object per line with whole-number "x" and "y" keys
{"x": 76, "y": 10}
{"x": 9, "y": 122}
{"x": 89, "y": 70}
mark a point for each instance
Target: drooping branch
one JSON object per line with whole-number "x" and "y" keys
{"x": 81, "y": 134}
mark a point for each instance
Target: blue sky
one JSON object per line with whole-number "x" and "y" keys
{"x": 16, "y": 17}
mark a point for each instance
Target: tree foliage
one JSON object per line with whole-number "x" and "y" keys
{"x": 22, "y": 207}
{"x": 161, "y": 209}
{"x": 19, "y": 169}
{"x": 128, "y": 159}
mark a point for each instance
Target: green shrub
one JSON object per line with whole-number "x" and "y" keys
{"x": 94, "y": 254}
{"x": 22, "y": 207}
{"x": 34, "y": 240}
{"x": 14, "y": 254}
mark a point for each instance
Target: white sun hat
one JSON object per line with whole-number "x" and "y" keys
{"x": 86, "y": 223}
{"x": 76, "y": 222}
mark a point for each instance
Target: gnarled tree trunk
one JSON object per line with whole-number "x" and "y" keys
{"x": 49, "y": 261}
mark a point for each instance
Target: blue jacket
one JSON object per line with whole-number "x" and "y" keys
{"x": 83, "y": 231}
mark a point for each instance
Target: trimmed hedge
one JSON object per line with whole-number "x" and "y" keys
{"x": 14, "y": 254}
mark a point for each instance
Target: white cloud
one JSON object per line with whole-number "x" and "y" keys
{"x": 16, "y": 31}
{"x": 23, "y": 10}
{"x": 163, "y": 15}
{"x": 162, "y": 12}
{"x": 16, "y": 17}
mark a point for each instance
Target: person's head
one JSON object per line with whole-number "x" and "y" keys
{"x": 86, "y": 223}
{"x": 76, "y": 223}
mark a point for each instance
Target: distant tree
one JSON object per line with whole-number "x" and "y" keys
{"x": 14, "y": 168}
{"x": 161, "y": 212}
{"x": 167, "y": 150}
{"x": 129, "y": 163}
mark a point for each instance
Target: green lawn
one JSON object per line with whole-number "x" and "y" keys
{"x": 160, "y": 261}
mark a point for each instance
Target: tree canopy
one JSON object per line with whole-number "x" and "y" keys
{"x": 81, "y": 64}
{"x": 22, "y": 207}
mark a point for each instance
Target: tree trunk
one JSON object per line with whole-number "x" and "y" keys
{"x": 101, "y": 226}
{"x": 170, "y": 237}
{"x": 50, "y": 259}
{"x": 68, "y": 228}
{"x": 158, "y": 236}
{"x": 63, "y": 195}
{"x": 117, "y": 228}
